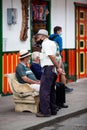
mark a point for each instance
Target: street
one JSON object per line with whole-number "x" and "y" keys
{"x": 74, "y": 123}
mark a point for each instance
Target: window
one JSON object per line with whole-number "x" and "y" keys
{"x": 81, "y": 15}
{"x": 81, "y": 62}
{"x": 81, "y": 44}
{"x": 81, "y": 29}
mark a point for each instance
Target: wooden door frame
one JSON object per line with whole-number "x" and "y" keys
{"x": 78, "y": 5}
{"x": 1, "y": 45}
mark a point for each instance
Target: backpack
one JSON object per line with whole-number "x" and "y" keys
{"x": 53, "y": 38}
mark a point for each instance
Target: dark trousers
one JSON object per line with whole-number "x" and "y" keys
{"x": 47, "y": 91}
{"x": 60, "y": 93}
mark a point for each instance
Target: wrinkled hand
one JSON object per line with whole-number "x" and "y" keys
{"x": 38, "y": 82}
{"x": 61, "y": 71}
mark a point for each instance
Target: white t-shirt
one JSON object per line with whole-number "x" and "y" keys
{"x": 48, "y": 48}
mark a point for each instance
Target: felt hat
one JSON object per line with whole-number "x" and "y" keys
{"x": 24, "y": 53}
{"x": 43, "y": 32}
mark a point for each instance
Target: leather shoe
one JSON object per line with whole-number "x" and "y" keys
{"x": 54, "y": 113}
{"x": 42, "y": 115}
{"x": 63, "y": 106}
{"x": 57, "y": 108}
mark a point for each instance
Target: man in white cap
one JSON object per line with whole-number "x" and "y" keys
{"x": 23, "y": 73}
{"x": 49, "y": 74}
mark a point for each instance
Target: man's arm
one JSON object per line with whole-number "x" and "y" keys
{"x": 53, "y": 59}
{"x": 30, "y": 81}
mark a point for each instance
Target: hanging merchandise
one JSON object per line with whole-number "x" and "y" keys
{"x": 24, "y": 28}
{"x": 40, "y": 20}
{"x": 46, "y": 12}
{"x": 39, "y": 11}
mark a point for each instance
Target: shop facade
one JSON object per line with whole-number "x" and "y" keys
{"x": 20, "y": 21}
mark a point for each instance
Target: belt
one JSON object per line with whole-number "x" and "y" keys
{"x": 48, "y": 66}
{"x": 51, "y": 67}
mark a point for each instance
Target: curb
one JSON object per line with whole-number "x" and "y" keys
{"x": 56, "y": 119}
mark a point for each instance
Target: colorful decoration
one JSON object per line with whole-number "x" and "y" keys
{"x": 39, "y": 12}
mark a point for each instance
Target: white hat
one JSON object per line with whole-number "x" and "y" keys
{"x": 43, "y": 32}
{"x": 24, "y": 53}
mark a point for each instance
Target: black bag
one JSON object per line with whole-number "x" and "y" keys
{"x": 60, "y": 93}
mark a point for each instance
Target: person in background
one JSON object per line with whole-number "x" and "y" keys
{"x": 35, "y": 65}
{"x": 58, "y": 39}
{"x": 60, "y": 88}
{"x": 23, "y": 73}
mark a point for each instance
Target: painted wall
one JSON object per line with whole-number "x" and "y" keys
{"x": 11, "y": 33}
{"x": 63, "y": 14}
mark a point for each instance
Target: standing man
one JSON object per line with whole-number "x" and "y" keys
{"x": 49, "y": 75}
{"x": 58, "y": 39}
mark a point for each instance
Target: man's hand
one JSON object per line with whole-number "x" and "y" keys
{"x": 37, "y": 82}
{"x": 30, "y": 81}
{"x": 61, "y": 71}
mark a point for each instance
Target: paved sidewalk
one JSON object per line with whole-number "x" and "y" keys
{"x": 11, "y": 120}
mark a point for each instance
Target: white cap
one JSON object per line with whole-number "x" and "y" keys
{"x": 24, "y": 53}
{"x": 43, "y": 32}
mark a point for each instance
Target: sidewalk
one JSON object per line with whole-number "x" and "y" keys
{"x": 11, "y": 120}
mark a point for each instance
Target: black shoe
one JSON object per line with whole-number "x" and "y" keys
{"x": 57, "y": 108}
{"x": 42, "y": 115}
{"x": 54, "y": 113}
{"x": 68, "y": 89}
{"x": 63, "y": 106}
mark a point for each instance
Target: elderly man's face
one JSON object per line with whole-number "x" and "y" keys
{"x": 27, "y": 59}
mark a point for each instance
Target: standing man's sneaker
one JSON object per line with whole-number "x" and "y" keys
{"x": 68, "y": 89}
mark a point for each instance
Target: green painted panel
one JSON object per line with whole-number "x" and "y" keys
{"x": 0, "y": 46}
{"x": 81, "y": 43}
{"x": 81, "y": 63}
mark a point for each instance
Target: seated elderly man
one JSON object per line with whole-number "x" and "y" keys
{"x": 35, "y": 66}
{"x": 23, "y": 72}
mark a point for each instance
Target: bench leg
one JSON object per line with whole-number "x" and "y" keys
{"x": 20, "y": 107}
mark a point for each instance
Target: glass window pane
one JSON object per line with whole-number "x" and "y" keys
{"x": 81, "y": 63}
{"x": 81, "y": 29}
{"x": 81, "y": 43}
{"x": 82, "y": 15}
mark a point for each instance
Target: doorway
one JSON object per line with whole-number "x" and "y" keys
{"x": 40, "y": 19}
{"x": 81, "y": 41}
